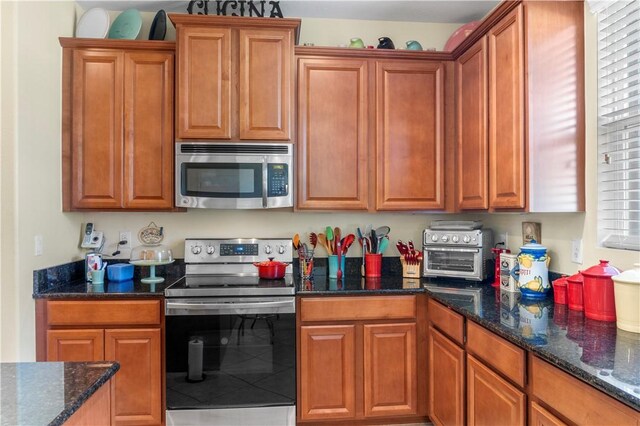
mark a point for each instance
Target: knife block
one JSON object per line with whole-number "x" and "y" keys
{"x": 410, "y": 270}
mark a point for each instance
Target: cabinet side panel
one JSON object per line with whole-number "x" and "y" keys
{"x": 555, "y": 105}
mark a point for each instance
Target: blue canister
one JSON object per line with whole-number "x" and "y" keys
{"x": 533, "y": 270}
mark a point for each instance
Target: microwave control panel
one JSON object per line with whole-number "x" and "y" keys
{"x": 278, "y": 178}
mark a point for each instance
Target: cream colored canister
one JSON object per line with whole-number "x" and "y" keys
{"x": 626, "y": 287}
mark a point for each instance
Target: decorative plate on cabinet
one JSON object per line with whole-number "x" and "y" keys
{"x": 127, "y": 25}
{"x": 158, "y": 26}
{"x": 93, "y": 24}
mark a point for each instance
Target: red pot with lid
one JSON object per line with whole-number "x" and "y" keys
{"x": 574, "y": 292}
{"x": 271, "y": 269}
{"x": 598, "y": 294}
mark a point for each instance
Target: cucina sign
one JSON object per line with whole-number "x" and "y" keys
{"x": 260, "y": 9}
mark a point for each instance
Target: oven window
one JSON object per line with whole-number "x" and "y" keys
{"x": 227, "y": 361}
{"x": 451, "y": 261}
{"x": 222, "y": 180}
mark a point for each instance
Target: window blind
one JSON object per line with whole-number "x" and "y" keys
{"x": 619, "y": 123}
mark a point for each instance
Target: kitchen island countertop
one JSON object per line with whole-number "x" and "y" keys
{"x": 48, "y": 393}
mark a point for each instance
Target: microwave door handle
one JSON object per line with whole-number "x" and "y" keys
{"x": 265, "y": 184}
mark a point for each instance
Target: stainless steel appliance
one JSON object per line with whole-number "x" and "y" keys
{"x": 458, "y": 250}
{"x": 231, "y": 336}
{"x": 222, "y": 175}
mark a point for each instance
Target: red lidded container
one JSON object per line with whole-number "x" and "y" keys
{"x": 574, "y": 292}
{"x": 560, "y": 290}
{"x": 598, "y": 295}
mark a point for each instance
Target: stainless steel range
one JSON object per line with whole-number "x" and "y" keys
{"x": 230, "y": 336}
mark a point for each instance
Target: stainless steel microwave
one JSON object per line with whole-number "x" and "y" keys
{"x": 223, "y": 175}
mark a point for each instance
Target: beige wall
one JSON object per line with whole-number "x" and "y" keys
{"x": 30, "y": 172}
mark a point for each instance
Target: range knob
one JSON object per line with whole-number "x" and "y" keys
{"x": 434, "y": 238}
{"x": 211, "y": 249}
{"x": 455, "y": 238}
{"x": 268, "y": 249}
{"x": 196, "y": 249}
{"x": 466, "y": 239}
{"x": 281, "y": 249}
{"x": 445, "y": 238}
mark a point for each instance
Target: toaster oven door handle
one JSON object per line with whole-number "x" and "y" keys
{"x": 453, "y": 249}
{"x": 265, "y": 183}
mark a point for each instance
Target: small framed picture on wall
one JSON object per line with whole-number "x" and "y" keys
{"x": 531, "y": 231}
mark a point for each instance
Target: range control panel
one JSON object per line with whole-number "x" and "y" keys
{"x": 239, "y": 250}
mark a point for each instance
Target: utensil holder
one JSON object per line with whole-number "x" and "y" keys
{"x": 372, "y": 265}
{"x": 410, "y": 270}
{"x": 333, "y": 265}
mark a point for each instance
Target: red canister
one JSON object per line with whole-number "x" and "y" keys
{"x": 574, "y": 292}
{"x": 560, "y": 291}
{"x": 599, "y": 299}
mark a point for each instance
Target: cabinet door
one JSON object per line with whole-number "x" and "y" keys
{"x": 446, "y": 380}
{"x": 327, "y": 383}
{"x": 332, "y": 134}
{"x": 204, "y": 87}
{"x": 390, "y": 387}
{"x": 96, "y": 157}
{"x": 506, "y": 113}
{"x": 136, "y": 388}
{"x": 473, "y": 149}
{"x": 266, "y": 62}
{"x": 538, "y": 416}
{"x": 491, "y": 400}
{"x": 75, "y": 345}
{"x": 409, "y": 135}
{"x": 148, "y": 130}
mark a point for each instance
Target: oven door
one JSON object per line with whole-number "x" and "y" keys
{"x": 230, "y": 353}
{"x": 207, "y": 176}
{"x": 453, "y": 262}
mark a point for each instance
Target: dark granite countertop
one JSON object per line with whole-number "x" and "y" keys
{"x": 596, "y": 352}
{"x": 48, "y": 393}
{"x": 68, "y": 282}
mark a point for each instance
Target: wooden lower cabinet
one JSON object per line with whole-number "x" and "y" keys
{"x": 132, "y": 336}
{"x": 538, "y": 416}
{"x": 390, "y": 382}
{"x": 75, "y": 345}
{"x": 328, "y": 372}
{"x": 491, "y": 400}
{"x": 446, "y": 380}
{"x": 138, "y": 382}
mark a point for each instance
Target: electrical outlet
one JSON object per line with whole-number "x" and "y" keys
{"x": 39, "y": 245}
{"x": 125, "y": 236}
{"x": 576, "y": 251}
{"x": 502, "y": 238}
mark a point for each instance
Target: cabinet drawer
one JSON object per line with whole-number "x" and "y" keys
{"x": 106, "y": 312}
{"x": 358, "y": 308}
{"x": 447, "y": 321}
{"x": 586, "y": 406}
{"x": 503, "y": 356}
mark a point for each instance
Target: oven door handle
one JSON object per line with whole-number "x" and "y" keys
{"x": 453, "y": 249}
{"x": 212, "y": 308}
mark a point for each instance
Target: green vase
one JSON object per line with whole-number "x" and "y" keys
{"x": 356, "y": 43}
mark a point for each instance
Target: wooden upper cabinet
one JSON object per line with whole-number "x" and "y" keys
{"x": 204, "y": 83}
{"x": 327, "y": 361}
{"x": 75, "y": 345}
{"x": 446, "y": 380}
{"x": 235, "y": 77}
{"x": 471, "y": 121}
{"x": 409, "y": 135}
{"x": 506, "y": 113}
{"x": 117, "y": 124}
{"x": 148, "y": 130}
{"x": 266, "y": 63}
{"x": 96, "y": 132}
{"x": 332, "y": 169}
{"x": 390, "y": 370}
{"x": 137, "y": 385}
